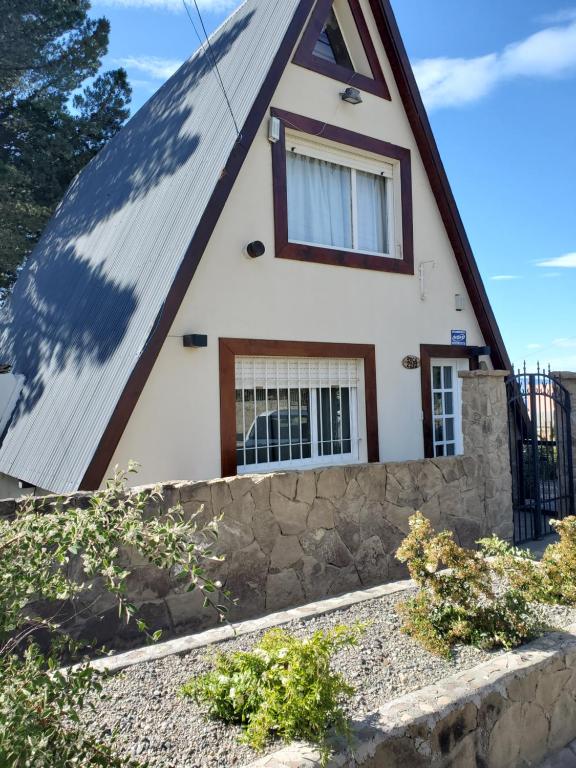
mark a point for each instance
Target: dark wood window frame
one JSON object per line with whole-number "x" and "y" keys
{"x": 305, "y": 57}
{"x": 319, "y": 254}
{"x": 427, "y": 353}
{"x": 230, "y": 348}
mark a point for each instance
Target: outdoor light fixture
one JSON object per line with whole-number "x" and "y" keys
{"x": 195, "y": 340}
{"x": 352, "y": 96}
{"x": 459, "y": 302}
{"x": 255, "y": 249}
{"x": 274, "y": 130}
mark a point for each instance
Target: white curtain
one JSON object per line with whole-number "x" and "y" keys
{"x": 372, "y": 212}
{"x": 319, "y": 201}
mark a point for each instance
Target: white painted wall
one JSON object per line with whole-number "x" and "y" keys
{"x": 174, "y": 431}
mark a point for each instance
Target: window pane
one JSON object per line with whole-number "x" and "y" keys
{"x": 448, "y": 403}
{"x": 437, "y": 377}
{"x": 333, "y": 421}
{"x": 450, "y": 449}
{"x": 372, "y": 212}
{"x": 319, "y": 202}
{"x": 438, "y": 404}
{"x": 305, "y": 423}
{"x": 438, "y": 430}
{"x": 447, "y": 377}
{"x": 439, "y": 450}
{"x": 284, "y": 425}
{"x": 449, "y": 429}
{"x": 331, "y": 46}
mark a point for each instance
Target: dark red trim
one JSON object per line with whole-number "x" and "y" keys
{"x": 229, "y": 348}
{"x": 341, "y": 258}
{"x": 410, "y": 95}
{"x": 305, "y": 57}
{"x": 440, "y": 351}
{"x": 103, "y": 455}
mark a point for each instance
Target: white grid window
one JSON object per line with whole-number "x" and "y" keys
{"x": 296, "y": 412}
{"x": 446, "y": 407}
{"x": 341, "y": 200}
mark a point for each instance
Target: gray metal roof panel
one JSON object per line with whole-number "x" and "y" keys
{"x": 89, "y": 297}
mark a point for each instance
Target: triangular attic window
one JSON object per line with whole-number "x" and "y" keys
{"x": 337, "y": 43}
{"x": 330, "y": 46}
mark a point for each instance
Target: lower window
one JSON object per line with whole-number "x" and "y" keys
{"x": 446, "y": 407}
{"x": 296, "y": 412}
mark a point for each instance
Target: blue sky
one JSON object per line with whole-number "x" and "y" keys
{"x": 499, "y": 81}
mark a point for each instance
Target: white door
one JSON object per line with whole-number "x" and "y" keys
{"x": 447, "y": 405}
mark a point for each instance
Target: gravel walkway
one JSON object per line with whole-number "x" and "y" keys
{"x": 154, "y": 723}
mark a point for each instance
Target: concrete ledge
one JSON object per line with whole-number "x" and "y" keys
{"x": 483, "y": 374}
{"x": 182, "y": 645}
{"x": 509, "y": 712}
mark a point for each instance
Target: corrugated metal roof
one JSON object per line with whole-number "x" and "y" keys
{"x": 93, "y": 289}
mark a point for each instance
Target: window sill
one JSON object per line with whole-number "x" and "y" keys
{"x": 340, "y": 258}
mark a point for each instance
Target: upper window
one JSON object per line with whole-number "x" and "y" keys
{"x": 330, "y": 46}
{"x": 341, "y": 198}
{"x": 340, "y": 201}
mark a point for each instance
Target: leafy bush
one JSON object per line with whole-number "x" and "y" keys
{"x": 557, "y": 583}
{"x": 458, "y": 601}
{"x": 284, "y": 687}
{"x": 39, "y": 703}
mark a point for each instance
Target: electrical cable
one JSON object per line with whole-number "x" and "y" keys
{"x": 213, "y": 58}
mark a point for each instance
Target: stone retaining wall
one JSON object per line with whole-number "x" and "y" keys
{"x": 507, "y": 713}
{"x": 291, "y": 538}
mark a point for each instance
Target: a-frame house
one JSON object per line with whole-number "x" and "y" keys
{"x": 273, "y": 278}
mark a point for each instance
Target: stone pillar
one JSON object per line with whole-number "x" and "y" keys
{"x": 485, "y": 429}
{"x": 568, "y": 381}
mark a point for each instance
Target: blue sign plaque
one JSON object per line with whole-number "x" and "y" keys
{"x": 459, "y": 338}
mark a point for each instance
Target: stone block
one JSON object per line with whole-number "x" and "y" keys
{"x": 533, "y": 733}
{"x": 247, "y": 573}
{"x": 453, "y": 728}
{"x": 148, "y": 583}
{"x": 331, "y": 483}
{"x": 187, "y": 611}
{"x": 241, "y": 510}
{"x": 562, "y": 721}
{"x": 266, "y": 529}
{"x": 372, "y": 481}
{"x": 240, "y": 486}
{"x": 221, "y": 496}
{"x": 550, "y": 686}
{"x": 286, "y": 552}
{"x": 397, "y": 516}
{"x": 199, "y": 492}
{"x": 290, "y": 515}
{"x": 285, "y": 484}
{"x": 374, "y": 523}
{"x": 316, "y": 578}
{"x": 321, "y": 514}
{"x": 283, "y": 590}
{"x": 261, "y": 491}
{"x": 327, "y": 547}
{"x": 371, "y": 562}
{"x": 306, "y": 487}
{"x": 504, "y": 740}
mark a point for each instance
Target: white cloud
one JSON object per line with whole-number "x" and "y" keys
{"x": 446, "y": 82}
{"x": 568, "y": 261}
{"x": 534, "y": 346}
{"x": 564, "y": 343}
{"x": 558, "y": 17}
{"x": 156, "y": 67}
{"x": 171, "y": 5}
{"x": 505, "y": 277}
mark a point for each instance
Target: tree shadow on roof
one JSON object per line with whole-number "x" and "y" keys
{"x": 40, "y": 335}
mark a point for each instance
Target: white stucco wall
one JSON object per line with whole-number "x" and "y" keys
{"x": 174, "y": 431}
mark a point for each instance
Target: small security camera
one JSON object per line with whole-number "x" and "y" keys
{"x": 255, "y": 249}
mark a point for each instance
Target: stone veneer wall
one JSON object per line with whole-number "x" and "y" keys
{"x": 295, "y": 537}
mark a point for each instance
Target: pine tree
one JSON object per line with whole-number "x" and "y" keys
{"x": 56, "y": 113}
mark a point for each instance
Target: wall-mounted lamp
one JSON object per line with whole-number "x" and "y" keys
{"x": 255, "y": 249}
{"x": 459, "y": 302}
{"x": 352, "y": 96}
{"x": 274, "y": 130}
{"x": 195, "y": 340}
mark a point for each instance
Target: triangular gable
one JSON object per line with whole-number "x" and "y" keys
{"x": 321, "y": 34}
{"x": 89, "y": 430}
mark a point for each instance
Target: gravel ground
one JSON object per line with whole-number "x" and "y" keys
{"x": 155, "y": 724}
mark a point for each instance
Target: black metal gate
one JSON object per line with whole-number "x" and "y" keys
{"x": 540, "y": 451}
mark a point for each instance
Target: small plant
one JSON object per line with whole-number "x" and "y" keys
{"x": 284, "y": 687}
{"x": 458, "y": 601}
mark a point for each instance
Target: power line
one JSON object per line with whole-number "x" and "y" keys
{"x": 212, "y": 57}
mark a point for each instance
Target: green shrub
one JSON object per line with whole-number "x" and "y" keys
{"x": 284, "y": 687}
{"x": 39, "y": 703}
{"x": 557, "y": 582}
{"x": 457, "y": 601}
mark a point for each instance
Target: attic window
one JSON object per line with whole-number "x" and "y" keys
{"x": 331, "y": 46}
